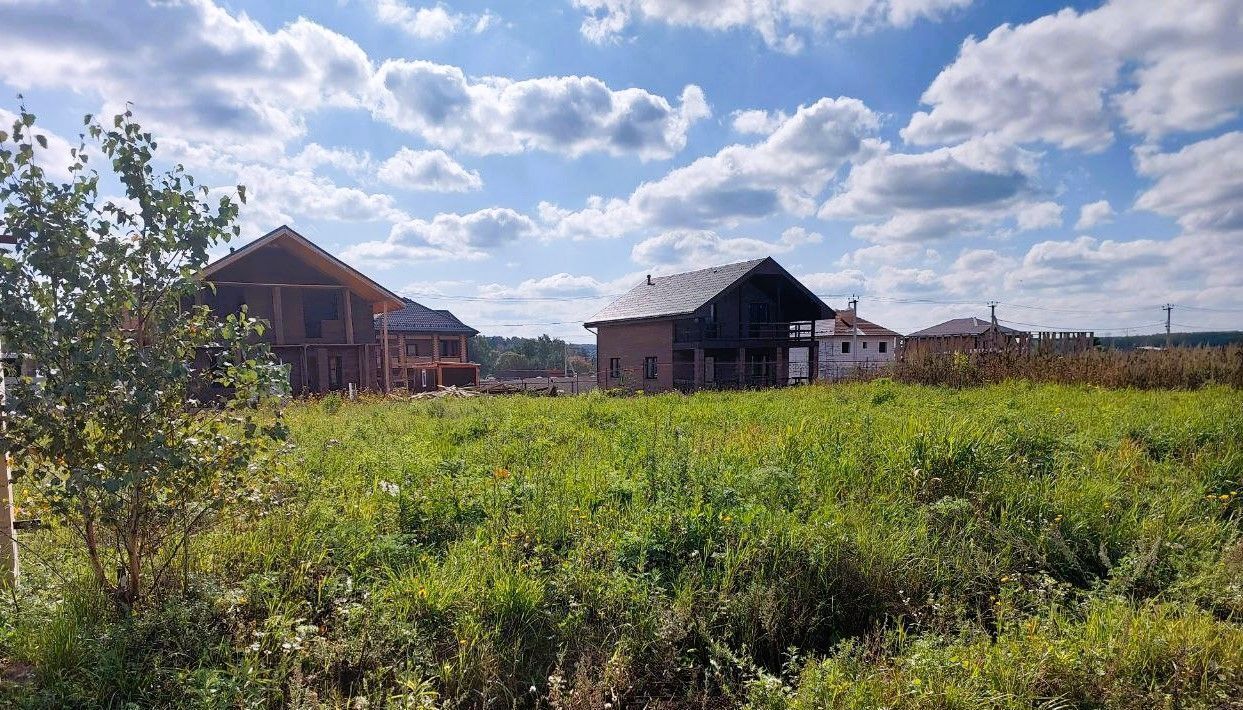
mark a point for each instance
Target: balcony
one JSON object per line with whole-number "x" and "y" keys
{"x": 690, "y": 331}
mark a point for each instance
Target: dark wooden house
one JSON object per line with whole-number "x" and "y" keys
{"x": 427, "y": 348}
{"x": 320, "y": 310}
{"x": 724, "y": 327}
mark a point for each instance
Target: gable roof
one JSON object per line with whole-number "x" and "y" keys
{"x": 380, "y": 298}
{"x": 846, "y": 322}
{"x": 961, "y": 326}
{"x": 416, "y": 317}
{"x": 682, "y": 294}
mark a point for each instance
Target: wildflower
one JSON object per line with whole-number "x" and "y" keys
{"x": 916, "y": 682}
{"x": 1224, "y": 497}
{"x": 500, "y": 473}
{"x": 423, "y": 592}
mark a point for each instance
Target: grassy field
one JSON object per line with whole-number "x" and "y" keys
{"x": 867, "y": 545}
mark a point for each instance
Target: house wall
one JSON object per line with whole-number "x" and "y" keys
{"x": 632, "y": 342}
{"x": 309, "y": 359}
{"x": 835, "y": 364}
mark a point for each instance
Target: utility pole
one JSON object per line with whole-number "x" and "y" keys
{"x": 1168, "y": 308}
{"x": 994, "y": 335}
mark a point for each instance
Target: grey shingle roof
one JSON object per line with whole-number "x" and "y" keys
{"x": 416, "y": 317}
{"x": 961, "y": 326}
{"x": 676, "y": 294}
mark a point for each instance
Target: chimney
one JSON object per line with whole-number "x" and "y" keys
{"x": 649, "y": 279}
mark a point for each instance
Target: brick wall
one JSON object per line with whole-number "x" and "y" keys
{"x": 632, "y": 342}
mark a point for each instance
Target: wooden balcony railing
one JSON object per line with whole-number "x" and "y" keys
{"x": 695, "y": 331}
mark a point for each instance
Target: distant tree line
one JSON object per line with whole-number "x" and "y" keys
{"x": 1178, "y": 340}
{"x": 496, "y": 353}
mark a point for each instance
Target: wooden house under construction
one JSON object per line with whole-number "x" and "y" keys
{"x": 426, "y": 349}
{"x": 320, "y": 310}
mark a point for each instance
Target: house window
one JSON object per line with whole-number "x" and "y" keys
{"x": 882, "y": 347}
{"x": 449, "y": 348}
{"x": 615, "y": 368}
{"x": 335, "y": 368}
{"x": 423, "y": 378}
{"x": 845, "y": 347}
{"x": 757, "y": 312}
{"x": 649, "y": 367}
{"x": 318, "y": 305}
{"x": 865, "y": 345}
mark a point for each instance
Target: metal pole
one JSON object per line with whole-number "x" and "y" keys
{"x": 9, "y": 570}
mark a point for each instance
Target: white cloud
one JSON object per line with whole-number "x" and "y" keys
{"x": 697, "y": 249}
{"x": 785, "y": 172}
{"x": 276, "y": 195}
{"x": 1094, "y": 213}
{"x": 55, "y": 159}
{"x": 1200, "y": 185}
{"x": 433, "y": 23}
{"x": 783, "y": 24}
{"x": 1164, "y": 67}
{"x": 963, "y": 189}
{"x": 198, "y": 73}
{"x": 192, "y": 69}
{"x": 555, "y": 286}
{"x": 446, "y": 236}
{"x": 427, "y": 170}
{"x": 757, "y": 121}
{"x": 571, "y": 115}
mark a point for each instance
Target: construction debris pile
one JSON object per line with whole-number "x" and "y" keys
{"x": 489, "y": 388}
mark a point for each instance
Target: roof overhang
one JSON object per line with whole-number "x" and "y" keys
{"x": 381, "y": 299}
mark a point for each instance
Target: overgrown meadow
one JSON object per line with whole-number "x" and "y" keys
{"x": 864, "y": 545}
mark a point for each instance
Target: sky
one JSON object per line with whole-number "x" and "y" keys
{"x": 521, "y": 162}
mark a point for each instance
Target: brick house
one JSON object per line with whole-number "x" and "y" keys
{"x": 727, "y": 326}
{"x": 319, "y": 309}
{"x": 427, "y": 348}
{"x": 849, "y": 343}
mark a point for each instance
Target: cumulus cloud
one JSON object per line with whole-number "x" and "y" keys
{"x": 572, "y": 115}
{"x": 963, "y": 189}
{"x": 55, "y": 159}
{"x": 555, "y": 286}
{"x": 276, "y": 195}
{"x": 784, "y": 172}
{"x": 757, "y": 121}
{"x": 432, "y": 23}
{"x": 430, "y": 170}
{"x": 446, "y": 236}
{"x": 1163, "y": 68}
{"x": 1201, "y": 185}
{"x": 783, "y": 24}
{"x": 192, "y": 68}
{"x": 197, "y": 72}
{"x": 1094, "y": 213}
{"x": 702, "y": 248}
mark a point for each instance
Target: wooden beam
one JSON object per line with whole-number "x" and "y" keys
{"x": 264, "y": 283}
{"x": 349, "y": 318}
{"x": 384, "y": 351}
{"x": 278, "y": 316}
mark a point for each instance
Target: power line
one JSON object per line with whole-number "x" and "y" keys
{"x": 1077, "y": 328}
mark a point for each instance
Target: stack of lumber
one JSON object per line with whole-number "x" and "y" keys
{"x": 452, "y": 392}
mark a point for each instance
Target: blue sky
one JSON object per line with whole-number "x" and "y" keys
{"x": 521, "y": 162}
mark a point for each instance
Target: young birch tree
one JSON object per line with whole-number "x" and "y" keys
{"x": 120, "y": 435}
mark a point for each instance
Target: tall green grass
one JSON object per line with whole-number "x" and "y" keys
{"x": 863, "y": 545}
